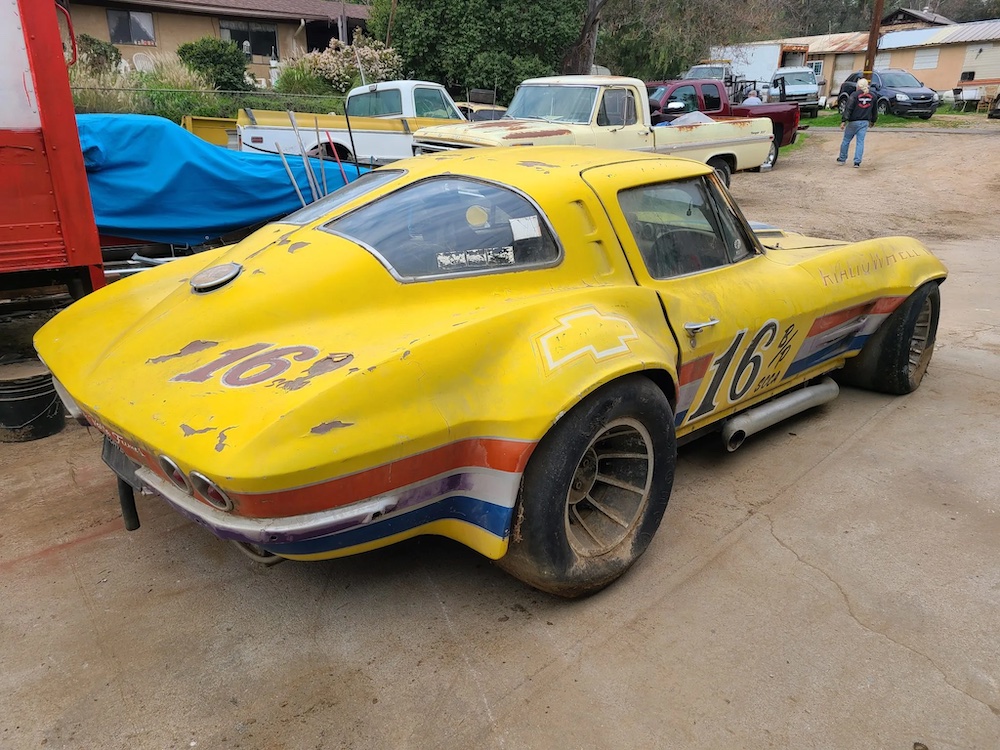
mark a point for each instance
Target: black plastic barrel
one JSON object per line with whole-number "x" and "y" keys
{"x": 29, "y": 405}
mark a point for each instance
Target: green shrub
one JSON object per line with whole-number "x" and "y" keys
{"x": 222, "y": 63}
{"x": 300, "y": 76}
{"x": 97, "y": 55}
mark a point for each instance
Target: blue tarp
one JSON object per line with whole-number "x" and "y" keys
{"x": 152, "y": 180}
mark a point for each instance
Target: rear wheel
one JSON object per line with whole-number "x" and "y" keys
{"x": 594, "y": 491}
{"x": 895, "y": 359}
{"x": 722, "y": 168}
{"x": 772, "y": 155}
{"x": 842, "y": 105}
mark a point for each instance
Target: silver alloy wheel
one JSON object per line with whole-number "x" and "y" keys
{"x": 610, "y": 488}
{"x": 920, "y": 353}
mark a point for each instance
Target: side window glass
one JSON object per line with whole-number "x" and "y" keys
{"x": 713, "y": 99}
{"x": 450, "y": 226}
{"x": 617, "y": 108}
{"x": 736, "y": 242}
{"x": 687, "y": 95}
{"x": 675, "y": 227}
{"x": 431, "y": 103}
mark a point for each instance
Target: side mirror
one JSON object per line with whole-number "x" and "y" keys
{"x": 674, "y": 107}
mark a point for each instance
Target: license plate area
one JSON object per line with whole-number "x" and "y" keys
{"x": 120, "y": 464}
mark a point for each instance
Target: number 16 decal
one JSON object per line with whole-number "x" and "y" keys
{"x": 744, "y": 375}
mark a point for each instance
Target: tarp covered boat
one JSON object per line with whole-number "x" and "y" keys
{"x": 152, "y": 180}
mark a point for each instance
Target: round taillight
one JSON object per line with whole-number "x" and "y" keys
{"x": 174, "y": 474}
{"x": 211, "y": 492}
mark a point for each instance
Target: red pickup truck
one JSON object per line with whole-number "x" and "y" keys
{"x": 669, "y": 100}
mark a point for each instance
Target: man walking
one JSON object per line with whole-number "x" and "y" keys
{"x": 859, "y": 112}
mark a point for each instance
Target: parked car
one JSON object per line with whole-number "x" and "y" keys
{"x": 896, "y": 91}
{"x": 499, "y": 345}
{"x": 994, "y": 110}
{"x": 476, "y": 112}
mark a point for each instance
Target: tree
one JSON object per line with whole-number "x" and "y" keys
{"x": 479, "y": 43}
{"x": 221, "y": 62}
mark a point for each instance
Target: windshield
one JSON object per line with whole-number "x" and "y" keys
{"x": 706, "y": 71}
{"x": 797, "y": 78}
{"x": 554, "y": 103}
{"x": 898, "y": 79}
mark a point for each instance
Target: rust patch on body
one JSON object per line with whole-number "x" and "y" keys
{"x": 540, "y": 164}
{"x": 494, "y": 125}
{"x": 536, "y": 134}
{"x": 405, "y": 354}
{"x": 188, "y": 430}
{"x": 325, "y": 427}
{"x": 297, "y": 246}
{"x": 193, "y": 348}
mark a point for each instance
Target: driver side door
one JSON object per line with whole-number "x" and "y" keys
{"x": 737, "y": 317}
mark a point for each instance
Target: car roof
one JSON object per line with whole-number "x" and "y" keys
{"x": 536, "y": 168}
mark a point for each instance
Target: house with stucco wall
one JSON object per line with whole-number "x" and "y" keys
{"x": 266, "y": 30}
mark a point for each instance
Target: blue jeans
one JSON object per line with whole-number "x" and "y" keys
{"x": 858, "y": 128}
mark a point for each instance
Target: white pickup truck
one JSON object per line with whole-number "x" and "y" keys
{"x": 608, "y": 112}
{"x": 377, "y": 129}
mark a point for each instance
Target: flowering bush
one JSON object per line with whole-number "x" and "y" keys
{"x": 338, "y": 63}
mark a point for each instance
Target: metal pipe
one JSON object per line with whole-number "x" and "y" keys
{"x": 126, "y": 496}
{"x": 291, "y": 175}
{"x": 737, "y": 429}
{"x": 321, "y": 149}
{"x": 310, "y": 177}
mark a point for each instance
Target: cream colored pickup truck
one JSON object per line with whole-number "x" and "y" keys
{"x": 607, "y": 112}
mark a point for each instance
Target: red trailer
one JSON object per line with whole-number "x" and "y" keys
{"x": 47, "y": 231}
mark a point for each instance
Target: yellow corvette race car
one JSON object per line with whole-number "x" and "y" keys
{"x": 500, "y": 346}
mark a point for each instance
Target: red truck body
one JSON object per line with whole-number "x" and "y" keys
{"x": 711, "y": 97}
{"x": 47, "y": 230}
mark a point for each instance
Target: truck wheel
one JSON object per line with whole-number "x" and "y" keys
{"x": 842, "y": 105}
{"x": 772, "y": 157}
{"x": 722, "y": 168}
{"x": 813, "y": 113}
{"x": 896, "y": 357}
{"x": 595, "y": 490}
{"x": 882, "y": 107}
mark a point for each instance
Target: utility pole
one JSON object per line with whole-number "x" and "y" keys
{"x": 392, "y": 16}
{"x": 873, "y": 40}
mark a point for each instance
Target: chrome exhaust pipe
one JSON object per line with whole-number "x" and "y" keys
{"x": 737, "y": 429}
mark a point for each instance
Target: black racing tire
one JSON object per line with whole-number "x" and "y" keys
{"x": 722, "y": 168}
{"x": 594, "y": 490}
{"x": 896, "y": 357}
{"x": 882, "y": 107}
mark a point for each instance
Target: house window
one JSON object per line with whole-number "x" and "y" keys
{"x": 131, "y": 27}
{"x": 261, "y": 38}
{"x": 925, "y": 59}
{"x": 882, "y": 60}
{"x": 817, "y": 67}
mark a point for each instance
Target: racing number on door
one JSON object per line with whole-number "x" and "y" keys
{"x": 745, "y": 372}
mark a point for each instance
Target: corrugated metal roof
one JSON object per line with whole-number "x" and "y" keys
{"x": 857, "y": 41}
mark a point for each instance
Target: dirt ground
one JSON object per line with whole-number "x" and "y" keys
{"x": 833, "y": 584}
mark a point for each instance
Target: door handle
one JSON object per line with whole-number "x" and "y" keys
{"x": 693, "y": 329}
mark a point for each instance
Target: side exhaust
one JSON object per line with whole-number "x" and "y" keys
{"x": 737, "y": 429}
